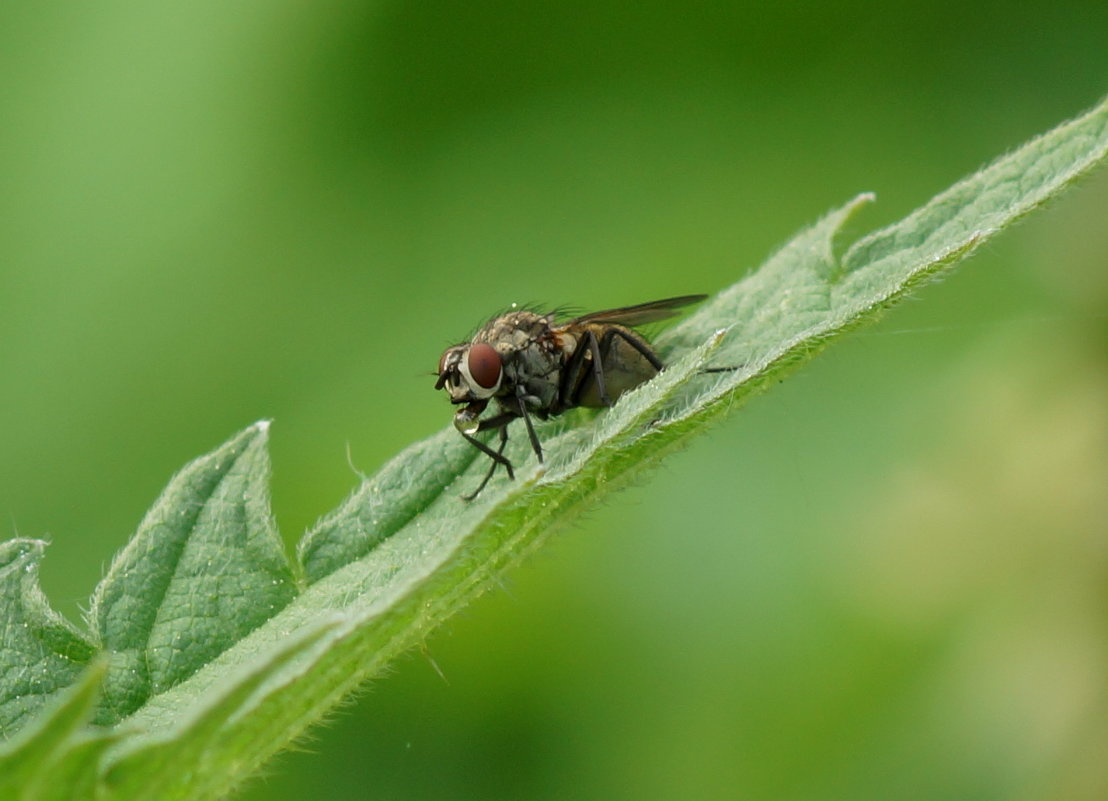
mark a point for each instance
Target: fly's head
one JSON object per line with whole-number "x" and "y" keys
{"x": 471, "y": 374}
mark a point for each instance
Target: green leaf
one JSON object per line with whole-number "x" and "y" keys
{"x": 30, "y": 758}
{"x": 205, "y": 568}
{"x": 41, "y": 653}
{"x": 75, "y": 774}
{"x": 405, "y": 552}
{"x": 161, "y": 765}
{"x": 420, "y": 553}
{"x": 409, "y": 483}
{"x": 384, "y": 503}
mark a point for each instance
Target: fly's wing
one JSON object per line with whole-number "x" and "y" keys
{"x": 639, "y": 315}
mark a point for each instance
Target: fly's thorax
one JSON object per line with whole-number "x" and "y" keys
{"x": 511, "y": 332}
{"x": 532, "y": 354}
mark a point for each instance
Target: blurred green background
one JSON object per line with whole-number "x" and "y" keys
{"x": 887, "y": 578}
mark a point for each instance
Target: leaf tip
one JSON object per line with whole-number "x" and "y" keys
{"x": 21, "y": 549}
{"x": 857, "y": 203}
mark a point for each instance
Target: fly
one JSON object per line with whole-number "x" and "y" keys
{"x": 534, "y": 367}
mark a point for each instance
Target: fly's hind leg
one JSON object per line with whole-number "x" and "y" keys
{"x": 652, "y": 357}
{"x": 576, "y": 372}
{"x": 636, "y": 343}
{"x": 597, "y": 347}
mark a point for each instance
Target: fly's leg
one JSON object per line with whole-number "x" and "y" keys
{"x": 598, "y": 365}
{"x": 497, "y": 456}
{"x": 535, "y": 446}
{"x": 651, "y": 356}
{"x": 499, "y": 422}
{"x": 572, "y": 379}
{"x": 637, "y": 344}
{"x": 596, "y": 348}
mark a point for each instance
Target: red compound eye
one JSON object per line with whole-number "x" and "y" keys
{"x": 484, "y": 365}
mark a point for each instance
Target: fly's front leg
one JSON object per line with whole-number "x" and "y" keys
{"x": 497, "y": 456}
{"x": 499, "y": 422}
